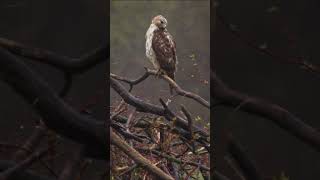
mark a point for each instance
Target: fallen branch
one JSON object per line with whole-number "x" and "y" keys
{"x": 137, "y": 157}
{"x": 173, "y": 159}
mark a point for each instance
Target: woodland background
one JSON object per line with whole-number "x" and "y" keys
{"x": 288, "y": 28}
{"x": 188, "y": 23}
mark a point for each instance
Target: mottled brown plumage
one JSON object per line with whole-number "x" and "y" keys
{"x": 161, "y": 48}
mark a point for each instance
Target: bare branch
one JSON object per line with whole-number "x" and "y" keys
{"x": 57, "y": 115}
{"x": 173, "y": 159}
{"x": 188, "y": 116}
{"x": 177, "y": 88}
{"x": 280, "y": 116}
{"x": 137, "y": 157}
{"x": 74, "y": 65}
{"x": 151, "y": 108}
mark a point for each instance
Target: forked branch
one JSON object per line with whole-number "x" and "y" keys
{"x": 175, "y": 86}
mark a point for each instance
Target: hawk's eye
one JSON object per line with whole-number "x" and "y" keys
{"x": 161, "y": 21}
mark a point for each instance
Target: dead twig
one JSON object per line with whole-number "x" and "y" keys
{"x": 137, "y": 157}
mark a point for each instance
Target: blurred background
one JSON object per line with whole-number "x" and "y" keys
{"x": 188, "y": 23}
{"x": 287, "y": 28}
{"x": 71, "y": 28}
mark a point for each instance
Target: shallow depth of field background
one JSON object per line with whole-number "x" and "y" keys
{"x": 188, "y": 23}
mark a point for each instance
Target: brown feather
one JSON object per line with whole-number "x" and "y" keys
{"x": 165, "y": 51}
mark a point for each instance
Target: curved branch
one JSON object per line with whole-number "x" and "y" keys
{"x": 175, "y": 86}
{"x": 57, "y": 115}
{"x": 280, "y": 116}
{"x": 74, "y": 65}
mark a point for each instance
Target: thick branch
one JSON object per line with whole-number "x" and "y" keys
{"x": 61, "y": 62}
{"x": 151, "y": 108}
{"x": 57, "y": 115}
{"x": 137, "y": 157}
{"x": 275, "y": 113}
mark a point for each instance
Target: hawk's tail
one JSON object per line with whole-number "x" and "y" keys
{"x": 171, "y": 75}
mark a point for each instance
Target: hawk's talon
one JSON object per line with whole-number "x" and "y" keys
{"x": 159, "y": 73}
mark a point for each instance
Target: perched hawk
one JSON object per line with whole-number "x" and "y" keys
{"x": 160, "y": 47}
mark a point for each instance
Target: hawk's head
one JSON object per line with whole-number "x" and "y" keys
{"x": 160, "y": 21}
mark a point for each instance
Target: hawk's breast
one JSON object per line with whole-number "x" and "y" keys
{"x": 149, "y": 51}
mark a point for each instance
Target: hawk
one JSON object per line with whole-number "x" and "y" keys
{"x": 161, "y": 48}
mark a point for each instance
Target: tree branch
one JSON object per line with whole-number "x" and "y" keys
{"x": 177, "y": 88}
{"x": 280, "y": 116}
{"x": 173, "y": 159}
{"x": 137, "y": 157}
{"x": 151, "y": 108}
{"x": 57, "y": 115}
{"x": 74, "y": 65}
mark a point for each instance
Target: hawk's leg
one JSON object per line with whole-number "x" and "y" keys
{"x": 160, "y": 72}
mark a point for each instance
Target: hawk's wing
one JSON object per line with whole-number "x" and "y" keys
{"x": 165, "y": 50}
